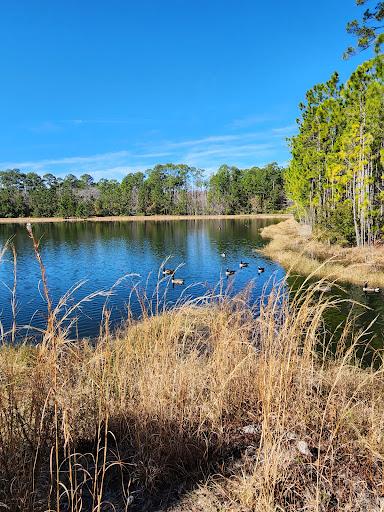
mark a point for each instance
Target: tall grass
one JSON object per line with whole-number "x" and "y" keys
{"x": 203, "y": 407}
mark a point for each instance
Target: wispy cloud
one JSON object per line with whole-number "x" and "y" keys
{"x": 204, "y": 141}
{"x": 285, "y": 130}
{"x": 51, "y": 126}
{"x": 248, "y": 121}
{"x": 232, "y": 154}
{"x": 70, "y": 161}
{"x": 130, "y": 120}
{"x": 241, "y": 149}
{"x": 45, "y": 127}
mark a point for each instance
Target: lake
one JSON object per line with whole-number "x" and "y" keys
{"x": 99, "y": 254}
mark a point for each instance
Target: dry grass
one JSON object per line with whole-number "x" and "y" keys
{"x": 162, "y": 406}
{"x": 298, "y": 251}
{"x": 134, "y": 218}
{"x": 153, "y": 417}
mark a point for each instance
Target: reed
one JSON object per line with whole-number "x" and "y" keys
{"x": 204, "y": 407}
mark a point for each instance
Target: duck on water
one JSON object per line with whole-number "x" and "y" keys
{"x": 168, "y": 271}
{"x": 177, "y": 281}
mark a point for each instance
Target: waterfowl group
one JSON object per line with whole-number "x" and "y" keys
{"x": 242, "y": 264}
{"x": 321, "y": 287}
{"x": 171, "y": 272}
{"x": 367, "y": 289}
{"x": 228, "y": 272}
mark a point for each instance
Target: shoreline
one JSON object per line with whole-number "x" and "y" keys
{"x": 141, "y": 218}
{"x": 291, "y": 245}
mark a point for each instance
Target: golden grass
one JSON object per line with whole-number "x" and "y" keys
{"x": 199, "y": 409}
{"x": 133, "y": 218}
{"x": 301, "y": 253}
{"x": 158, "y": 411}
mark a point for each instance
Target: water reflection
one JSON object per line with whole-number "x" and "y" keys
{"x": 101, "y": 253}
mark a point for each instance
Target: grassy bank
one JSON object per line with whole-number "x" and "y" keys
{"x": 133, "y": 218}
{"x": 291, "y": 245}
{"x": 197, "y": 409}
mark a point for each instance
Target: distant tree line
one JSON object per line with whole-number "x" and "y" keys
{"x": 176, "y": 189}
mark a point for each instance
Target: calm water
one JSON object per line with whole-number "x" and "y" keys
{"x": 102, "y": 253}
{"x": 364, "y": 311}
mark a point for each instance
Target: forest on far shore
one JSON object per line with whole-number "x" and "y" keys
{"x": 166, "y": 189}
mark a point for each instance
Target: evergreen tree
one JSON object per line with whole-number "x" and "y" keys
{"x": 176, "y": 189}
{"x": 335, "y": 176}
{"x": 368, "y": 31}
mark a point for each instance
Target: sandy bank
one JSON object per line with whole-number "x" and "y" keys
{"x": 23, "y": 220}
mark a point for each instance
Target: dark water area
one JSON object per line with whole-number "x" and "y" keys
{"x": 99, "y": 254}
{"x": 364, "y": 313}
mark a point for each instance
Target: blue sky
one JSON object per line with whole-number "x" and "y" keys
{"x": 109, "y": 87}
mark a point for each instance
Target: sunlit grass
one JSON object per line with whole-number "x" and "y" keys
{"x": 301, "y": 253}
{"x": 155, "y": 413}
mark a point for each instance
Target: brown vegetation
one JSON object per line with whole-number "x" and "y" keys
{"x": 149, "y": 416}
{"x": 196, "y": 409}
{"x": 292, "y": 245}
